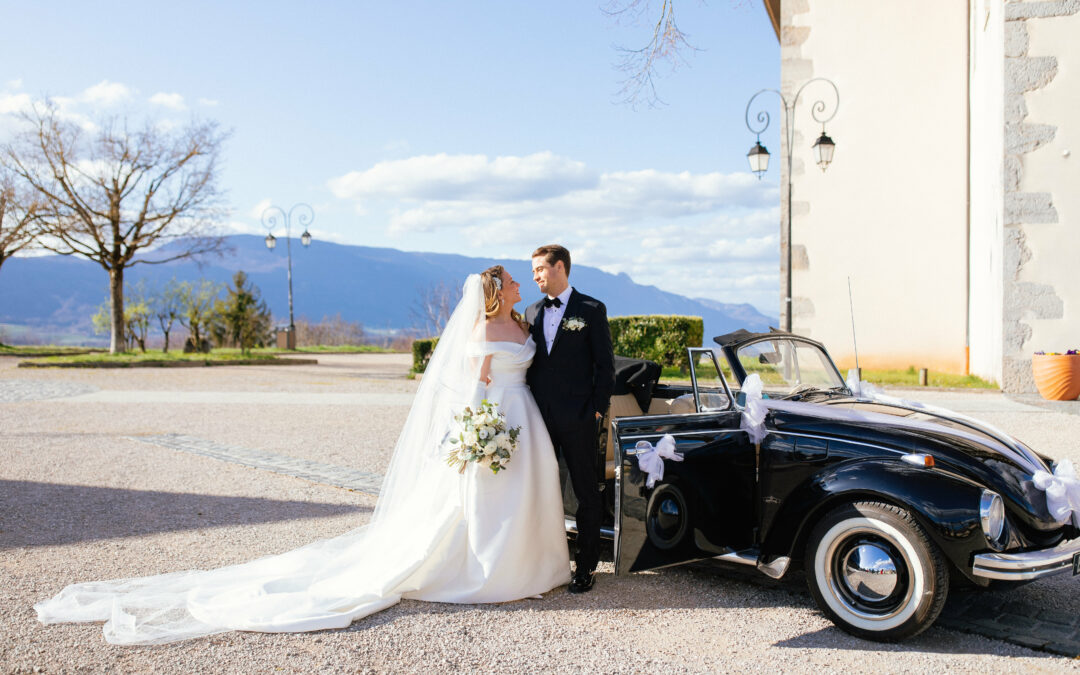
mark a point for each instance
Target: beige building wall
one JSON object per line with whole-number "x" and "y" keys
{"x": 1042, "y": 236}
{"x": 987, "y": 197}
{"x": 891, "y": 211}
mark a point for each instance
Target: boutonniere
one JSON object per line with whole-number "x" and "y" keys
{"x": 573, "y": 323}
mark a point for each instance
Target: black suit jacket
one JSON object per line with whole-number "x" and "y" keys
{"x": 575, "y": 380}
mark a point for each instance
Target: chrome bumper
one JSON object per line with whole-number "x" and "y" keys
{"x": 1065, "y": 557}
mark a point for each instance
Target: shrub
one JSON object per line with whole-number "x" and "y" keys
{"x": 242, "y": 319}
{"x": 658, "y": 338}
{"x": 421, "y": 353}
{"x": 331, "y": 331}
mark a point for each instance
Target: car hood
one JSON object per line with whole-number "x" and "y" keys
{"x": 957, "y": 443}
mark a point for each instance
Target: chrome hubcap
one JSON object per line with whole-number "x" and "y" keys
{"x": 869, "y": 572}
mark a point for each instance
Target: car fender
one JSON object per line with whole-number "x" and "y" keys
{"x": 945, "y": 504}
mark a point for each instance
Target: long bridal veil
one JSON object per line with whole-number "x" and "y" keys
{"x": 328, "y": 583}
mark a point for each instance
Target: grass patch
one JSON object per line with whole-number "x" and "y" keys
{"x": 326, "y": 349}
{"x": 45, "y": 350}
{"x": 910, "y": 378}
{"x": 153, "y": 357}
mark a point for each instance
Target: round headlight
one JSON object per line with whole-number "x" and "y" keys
{"x": 992, "y": 514}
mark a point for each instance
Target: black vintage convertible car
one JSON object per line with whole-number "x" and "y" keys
{"x": 881, "y": 503}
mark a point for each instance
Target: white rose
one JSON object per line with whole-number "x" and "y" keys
{"x": 484, "y": 434}
{"x": 471, "y": 438}
{"x": 490, "y": 447}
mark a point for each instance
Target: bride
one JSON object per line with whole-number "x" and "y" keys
{"x": 436, "y": 534}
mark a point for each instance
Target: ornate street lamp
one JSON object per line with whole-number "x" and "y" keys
{"x": 304, "y": 217}
{"x": 759, "y": 159}
{"x": 823, "y": 153}
{"x": 823, "y": 150}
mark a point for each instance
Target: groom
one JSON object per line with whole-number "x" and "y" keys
{"x": 571, "y": 377}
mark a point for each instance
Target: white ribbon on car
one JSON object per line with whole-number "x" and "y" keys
{"x": 754, "y": 410}
{"x": 860, "y": 389}
{"x": 870, "y": 392}
{"x": 1062, "y": 490}
{"x": 650, "y": 458}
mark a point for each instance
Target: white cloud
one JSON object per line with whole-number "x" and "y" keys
{"x": 168, "y": 100}
{"x": 257, "y": 210}
{"x": 14, "y": 84}
{"x": 208, "y": 102}
{"x": 14, "y": 103}
{"x": 709, "y": 235}
{"x": 241, "y": 227}
{"x": 466, "y": 177}
{"x": 105, "y": 93}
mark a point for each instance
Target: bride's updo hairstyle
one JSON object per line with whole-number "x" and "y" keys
{"x": 492, "y": 278}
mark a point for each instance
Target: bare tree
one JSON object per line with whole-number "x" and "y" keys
{"x": 166, "y": 308}
{"x": 433, "y": 307}
{"x": 331, "y": 330}
{"x": 117, "y": 196}
{"x": 197, "y": 311}
{"x": 18, "y": 217}
{"x": 640, "y": 66}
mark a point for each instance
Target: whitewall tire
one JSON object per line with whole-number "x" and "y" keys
{"x": 873, "y": 571}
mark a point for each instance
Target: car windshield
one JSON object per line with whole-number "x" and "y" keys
{"x": 789, "y": 366}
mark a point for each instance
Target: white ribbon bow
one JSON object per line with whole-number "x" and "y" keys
{"x": 753, "y": 416}
{"x": 860, "y": 389}
{"x": 1062, "y": 491}
{"x": 650, "y": 459}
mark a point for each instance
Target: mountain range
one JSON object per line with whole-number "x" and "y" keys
{"x": 55, "y": 296}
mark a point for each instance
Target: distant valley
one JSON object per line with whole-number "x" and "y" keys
{"x": 54, "y": 296}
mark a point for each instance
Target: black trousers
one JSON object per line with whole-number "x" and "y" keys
{"x": 575, "y": 442}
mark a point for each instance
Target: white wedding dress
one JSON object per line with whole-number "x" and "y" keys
{"x": 436, "y": 534}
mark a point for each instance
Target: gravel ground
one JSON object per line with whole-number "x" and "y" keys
{"x": 81, "y": 501}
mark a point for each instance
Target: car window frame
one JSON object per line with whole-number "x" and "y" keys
{"x": 698, "y": 407}
{"x": 732, "y": 354}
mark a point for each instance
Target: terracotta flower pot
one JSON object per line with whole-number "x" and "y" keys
{"x": 1057, "y": 376}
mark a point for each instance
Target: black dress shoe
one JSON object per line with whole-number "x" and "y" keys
{"x": 582, "y": 582}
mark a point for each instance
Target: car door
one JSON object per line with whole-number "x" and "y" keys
{"x": 703, "y": 506}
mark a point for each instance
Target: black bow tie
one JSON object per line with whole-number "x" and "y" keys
{"x": 552, "y": 302}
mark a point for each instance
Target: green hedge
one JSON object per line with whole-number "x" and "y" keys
{"x": 658, "y": 338}
{"x": 421, "y": 353}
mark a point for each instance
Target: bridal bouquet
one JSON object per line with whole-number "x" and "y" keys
{"x": 482, "y": 436}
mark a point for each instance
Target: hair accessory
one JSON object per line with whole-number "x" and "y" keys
{"x": 498, "y": 283}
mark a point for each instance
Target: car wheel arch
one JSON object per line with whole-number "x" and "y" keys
{"x": 806, "y": 506}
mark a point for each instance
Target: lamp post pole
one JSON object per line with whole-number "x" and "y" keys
{"x": 759, "y": 157}
{"x": 304, "y": 216}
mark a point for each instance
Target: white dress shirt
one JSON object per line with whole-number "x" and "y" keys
{"x": 553, "y": 315}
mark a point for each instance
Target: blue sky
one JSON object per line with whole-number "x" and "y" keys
{"x": 480, "y": 128}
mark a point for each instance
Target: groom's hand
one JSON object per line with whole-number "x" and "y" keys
{"x": 598, "y": 416}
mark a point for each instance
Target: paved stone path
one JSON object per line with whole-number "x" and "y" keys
{"x": 33, "y": 390}
{"x": 985, "y": 613}
{"x": 246, "y": 397}
{"x": 989, "y": 614}
{"x": 317, "y": 472}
